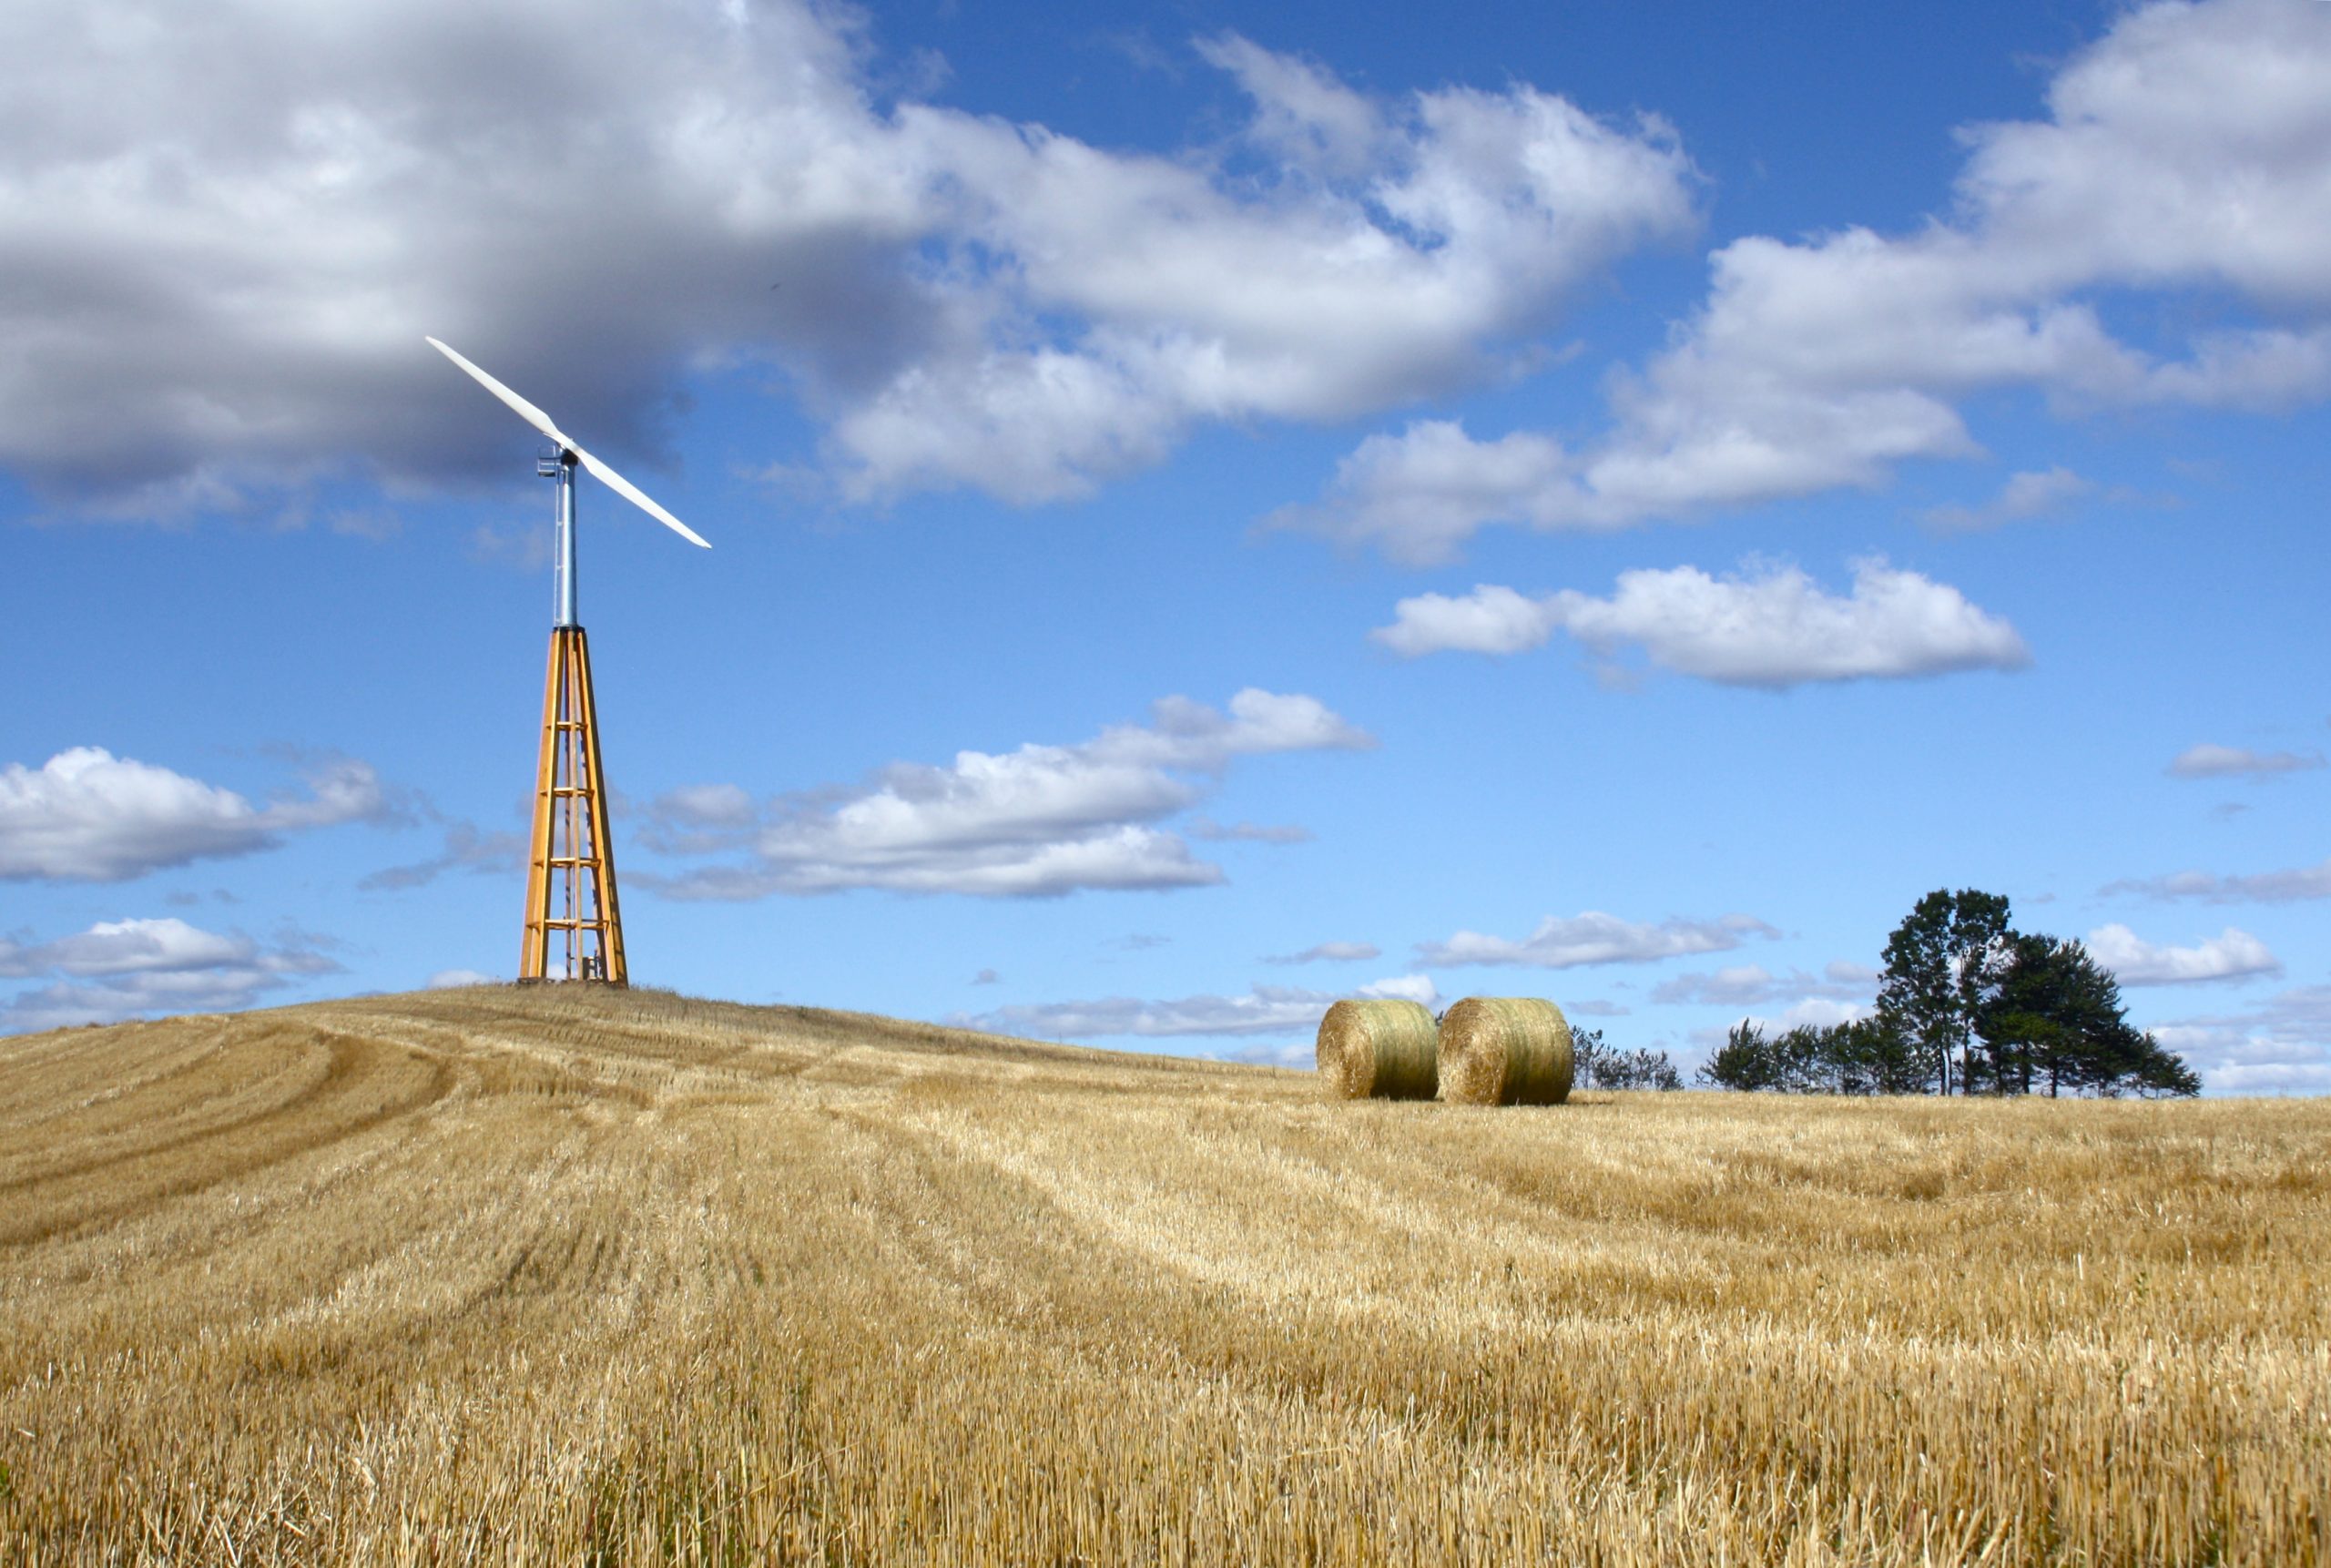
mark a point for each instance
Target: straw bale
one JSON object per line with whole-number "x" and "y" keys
{"x": 1505, "y": 1051}
{"x": 1378, "y": 1050}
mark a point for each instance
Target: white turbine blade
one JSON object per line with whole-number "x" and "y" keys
{"x": 524, "y": 409}
{"x": 634, "y": 494}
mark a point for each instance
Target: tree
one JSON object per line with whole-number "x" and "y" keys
{"x": 1642, "y": 1068}
{"x": 1598, "y": 1067}
{"x": 1871, "y": 1057}
{"x": 1746, "y": 1060}
{"x": 1586, "y": 1054}
{"x": 1943, "y": 963}
{"x": 2056, "y": 1018}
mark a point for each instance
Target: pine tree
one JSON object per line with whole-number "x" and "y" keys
{"x": 1943, "y": 963}
{"x": 2057, "y": 1019}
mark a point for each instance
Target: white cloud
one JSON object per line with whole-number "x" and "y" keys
{"x": 1595, "y": 937}
{"x": 1489, "y": 620}
{"x": 1771, "y": 625}
{"x": 1330, "y": 953}
{"x": 2232, "y": 954}
{"x": 454, "y": 979}
{"x": 1821, "y": 1013}
{"x": 2257, "y": 887}
{"x": 143, "y": 946}
{"x": 2029, "y": 494}
{"x": 86, "y": 814}
{"x": 119, "y": 968}
{"x": 2281, "y": 1047}
{"x": 1812, "y": 1013}
{"x": 1264, "y": 1010}
{"x": 2187, "y": 151}
{"x": 1418, "y": 496}
{"x": 1216, "y": 832}
{"x": 1038, "y": 821}
{"x": 226, "y": 231}
{"x": 2209, "y": 761}
{"x": 1753, "y": 986}
{"x": 1404, "y": 988}
{"x": 707, "y": 806}
{"x": 467, "y": 848}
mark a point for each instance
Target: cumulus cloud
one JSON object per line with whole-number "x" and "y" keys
{"x": 226, "y": 231}
{"x": 2209, "y": 761}
{"x": 2187, "y": 151}
{"x": 121, "y": 969}
{"x": 1330, "y": 953}
{"x": 1491, "y": 619}
{"x": 86, "y": 814}
{"x": 2255, "y": 887}
{"x": 2232, "y": 954}
{"x": 1595, "y": 937}
{"x": 1038, "y": 821}
{"x": 455, "y": 978}
{"x": 1770, "y": 625}
{"x": 1264, "y": 1010}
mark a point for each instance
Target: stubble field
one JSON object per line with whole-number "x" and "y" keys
{"x": 499, "y": 1276}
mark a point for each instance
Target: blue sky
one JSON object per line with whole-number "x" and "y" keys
{"x": 1216, "y": 507}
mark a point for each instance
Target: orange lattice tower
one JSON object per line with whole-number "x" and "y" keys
{"x": 573, "y": 919}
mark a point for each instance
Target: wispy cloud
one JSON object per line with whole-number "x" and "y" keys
{"x": 121, "y": 969}
{"x": 1593, "y": 938}
{"x": 2211, "y": 761}
{"x": 1753, "y": 986}
{"x": 2288, "y": 886}
{"x": 2024, "y": 495}
{"x": 467, "y": 848}
{"x": 2282, "y": 1045}
{"x": 1262, "y": 1010}
{"x": 1330, "y": 953}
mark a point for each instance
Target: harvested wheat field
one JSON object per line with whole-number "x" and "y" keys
{"x": 498, "y": 1276}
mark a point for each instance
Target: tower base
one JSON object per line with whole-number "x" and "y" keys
{"x": 574, "y": 921}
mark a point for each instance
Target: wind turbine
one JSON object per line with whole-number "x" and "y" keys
{"x": 571, "y": 866}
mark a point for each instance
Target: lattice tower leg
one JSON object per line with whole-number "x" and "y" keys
{"x": 574, "y": 921}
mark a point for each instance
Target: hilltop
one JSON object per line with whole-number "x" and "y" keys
{"x": 558, "y": 1274}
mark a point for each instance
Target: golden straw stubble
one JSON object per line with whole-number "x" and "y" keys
{"x": 1378, "y": 1050}
{"x": 1505, "y": 1051}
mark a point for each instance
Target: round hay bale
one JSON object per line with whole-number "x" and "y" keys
{"x": 1378, "y": 1050}
{"x": 1505, "y": 1051}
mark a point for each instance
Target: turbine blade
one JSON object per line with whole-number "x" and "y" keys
{"x": 524, "y": 409}
{"x": 634, "y": 494}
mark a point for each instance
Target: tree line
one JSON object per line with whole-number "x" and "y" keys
{"x": 1967, "y": 1006}
{"x": 1594, "y": 1066}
